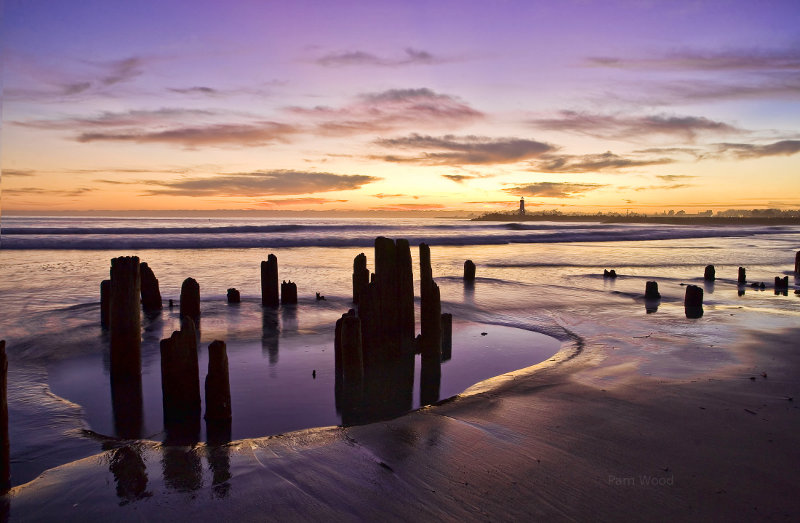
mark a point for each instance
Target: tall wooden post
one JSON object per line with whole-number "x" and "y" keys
{"x": 360, "y": 276}
{"x": 190, "y": 300}
{"x": 269, "y": 282}
{"x": 5, "y": 463}
{"x": 125, "y": 317}
{"x": 151, "y": 295}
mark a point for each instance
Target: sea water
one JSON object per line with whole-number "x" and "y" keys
{"x": 530, "y": 276}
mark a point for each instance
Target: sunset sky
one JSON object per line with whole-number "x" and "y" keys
{"x": 449, "y": 105}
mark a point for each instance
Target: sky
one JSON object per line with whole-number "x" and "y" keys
{"x": 575, "y": 105}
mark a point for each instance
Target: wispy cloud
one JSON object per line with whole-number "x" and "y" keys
{"x": 199, "y": 89}
{"x": 131, "y": 118}
{"x": 553, "y": 189}
{"x": 18, "y": 172}
{"x": 231, "y": 135}
{"x": 607, "y": 161}
{"x": 381, "y": 195}
{"x": 674, "y": 177}
{"x": 297, "y": 201}
{"x": 38, "y": 82}
{"x": 266, "y": 183}
{"x": 746, "y": 150}
{"x": 387, "y": 110}
{"x": 459, "y": 178}
{"x": 619, "y": 126}
{"x": 461, "y": 150}
{"x": 410, "y": 207}
{"x": 733, "y": 60}
{"x": 40, "y": 191}
{"x": 410, "y": 56}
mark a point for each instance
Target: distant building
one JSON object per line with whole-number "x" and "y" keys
{"x": 522, "y": 206}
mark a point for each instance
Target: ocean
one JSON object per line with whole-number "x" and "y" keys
{"x": 534, "y": 280}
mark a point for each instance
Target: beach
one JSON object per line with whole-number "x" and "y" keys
{"x": 639, "y": 413}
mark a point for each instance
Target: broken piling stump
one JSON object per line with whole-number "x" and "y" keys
{"x": 269, "y": 282}
{"x": 234, "y": 296}
{"x": 125, "y": 316}
{"x": 710, "y": 274}
{"x": 430, "y": 309}
{"x": 609, "y": 274}
{"x": 782, "y": 283}
{"x": 190, "y": 300}
{"x": 469, "y": 271}
{"x": 651, "y": 291}
{"x": 693, "y": 301}
{"x": 5, "y": 463}
{"x": 351, "y": 351}
{"x": 151, "y": 296}
{"x": 218, "y": 387}
{"x": 288, "y": 293}
{"x": 797, "y": 264}
{"x": 180, "y": 377}
{"x": 742, "y": 278}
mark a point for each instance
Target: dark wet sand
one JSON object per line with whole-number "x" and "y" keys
{"x": 577, "y": 437}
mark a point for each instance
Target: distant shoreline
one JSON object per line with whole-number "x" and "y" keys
{"x": 668, "y": 220}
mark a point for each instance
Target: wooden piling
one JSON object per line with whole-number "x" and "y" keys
{"x": 151, "y": 296}
{"x": 234, "y": 296}
{"x": 269, "y": 282}
{"x": 742, "y": 279}
{"x": 360, "y": 276}
{"x": 288, "y": 293}
{"x": 180, "y": 379}
{"x": 405, "y": 295}
{"x": 352, "y": 358}
{"x": 651, "y": 291}
{"x": 797, "y": 264}
{"x": 693, "y": 297}
{"x": 469, "y": 271}
{"x": 125, "y": 316}
{"x": 5, "y": 463}
{"x": 218, "y": 387}
{"x": 190, "y": 300}
{"x": 430, "y": 309}
{"x": 710, "y": 273}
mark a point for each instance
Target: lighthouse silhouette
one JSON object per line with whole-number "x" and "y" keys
{"x": 522, "y": 206}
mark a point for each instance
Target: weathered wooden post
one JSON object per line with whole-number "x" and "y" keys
{"x": 151, "y": 296}
{"x": 360, "y": 276}
{"x": 609, "y": 274}
{"x": 288, "y": 293}
{"x": 190, "y": 300}
{"x": 234, "y": 296}
{"x": 269, "y": 282}
{"x": 430, "y": 309}
{"x": 781, "y": 283}
{"x": 180, "y": 376}
{"x": 469, "y": 271}
{"x": 5, "y": 463}
{"x": 742, "y": 279}
{"x": 797, "y": 264}
{"x": 405, "y": 296}
{"x": 710, "y": 273}
{"x": 105, "y": 303}
{"x": 447, "y": 336}
{"x": 693, "y": 301}
{"x": 125, "y": 317}
{"x": 352, "y": 357}
{"x": 651, "y": 291}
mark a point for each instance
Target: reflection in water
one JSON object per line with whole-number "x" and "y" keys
{"x": 129, "y": 471}
{"x": 289, "y": 318}
{"x": 651, "y": 305}
{"x": 219, "y": 460}
{"x": 126, "y": 402}
{"x": 182, "y": 468}
{"x": 270, "y": 334}
{"x": 430, "y": 381}
{"x": 386, "y": 392}
{"x": 469, "y": 292}
{"x": 708, "y": 286}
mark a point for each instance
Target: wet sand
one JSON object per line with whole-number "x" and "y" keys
{"x": 635, "y": 418}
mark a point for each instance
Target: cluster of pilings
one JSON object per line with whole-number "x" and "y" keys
{"x": 375, "y": 343}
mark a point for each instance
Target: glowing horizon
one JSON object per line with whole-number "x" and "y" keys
{"x": 448, "y": 106}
